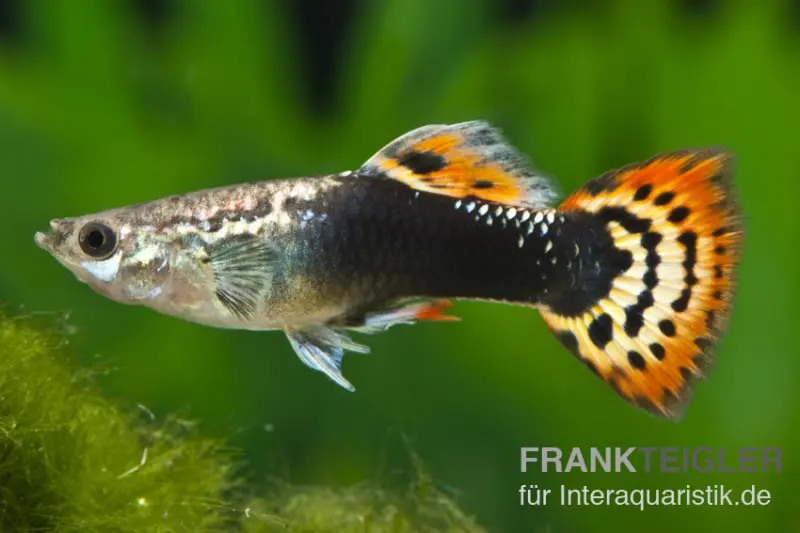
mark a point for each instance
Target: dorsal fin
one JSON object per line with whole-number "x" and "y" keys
{"x": 460, "y": 160}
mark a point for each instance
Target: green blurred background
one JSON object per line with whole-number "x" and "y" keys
{"x": 108, "y": 103}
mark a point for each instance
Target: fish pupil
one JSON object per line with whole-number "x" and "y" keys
{"x": 97, "y": 240}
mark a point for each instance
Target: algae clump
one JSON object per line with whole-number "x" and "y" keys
{"x": 72, "y": 460}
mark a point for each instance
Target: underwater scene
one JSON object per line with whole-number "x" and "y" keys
{"x": 350, "y": 266}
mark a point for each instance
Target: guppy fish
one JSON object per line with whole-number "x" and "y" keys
{"x": 634, "y": 273}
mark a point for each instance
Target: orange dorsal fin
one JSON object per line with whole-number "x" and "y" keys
{"x": 461, "y": 160}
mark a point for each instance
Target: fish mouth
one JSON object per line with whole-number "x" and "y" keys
{"x": 48, "y": 240}
{"x": 43, "y": 240}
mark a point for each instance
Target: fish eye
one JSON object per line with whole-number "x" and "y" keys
{"x": 97, "y": 240}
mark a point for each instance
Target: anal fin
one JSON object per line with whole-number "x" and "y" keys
{"x": 410, "y": 313}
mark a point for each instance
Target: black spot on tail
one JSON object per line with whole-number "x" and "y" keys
{"x": 650, "y": 241}
{"x": 704, "y": 344}
{"x": 664, "y": 198}
{"x": 600, "y": 331}
{"x": 667, "y": 327}
{"x": 625, "y": 218}
{"x": 719, "y": 232}
{"x": 679, "y": 214}
{"x": 567, "y": 338}
{"x": 689, "y": 241}
{"x": 634, "y": 314}
{"x": 658, "y": 351}
{"x": 643, "y": 192}
{"x": 636, "y": 360}
{"x": 570, "y": 342}
{"x": 682, "y": 303}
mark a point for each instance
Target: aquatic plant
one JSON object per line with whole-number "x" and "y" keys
{"x": 73, "y": 460}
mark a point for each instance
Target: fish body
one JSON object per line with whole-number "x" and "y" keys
{"x": 634, "y": 272}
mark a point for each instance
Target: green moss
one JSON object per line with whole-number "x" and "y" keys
{"x": 366, "y": 509}
{"x": 71, "y": 460}
{"x": 356, "y": 510}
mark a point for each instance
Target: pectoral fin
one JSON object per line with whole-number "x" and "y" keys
{"x": 243, "y": 267}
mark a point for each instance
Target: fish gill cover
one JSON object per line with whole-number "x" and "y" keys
{"x": 72, "y": 460}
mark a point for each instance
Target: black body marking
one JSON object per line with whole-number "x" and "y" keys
{"x": 598, "y": 263}
{"x": 383, "y": 240}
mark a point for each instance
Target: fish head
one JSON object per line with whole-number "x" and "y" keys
{"x": 112, "y": 253}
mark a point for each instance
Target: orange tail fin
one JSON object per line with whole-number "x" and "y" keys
{"x": 655, "y": 332}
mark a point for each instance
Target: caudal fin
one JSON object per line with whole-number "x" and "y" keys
{"x": 654, "y": 334}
